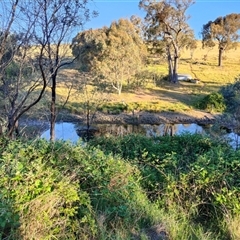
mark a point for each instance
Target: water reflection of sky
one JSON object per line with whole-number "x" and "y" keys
{"x": 172, "y": 129}
{"x": 233, "y": 139}
{"x": 63, "y": 131}
{"x": 67, "y": 131}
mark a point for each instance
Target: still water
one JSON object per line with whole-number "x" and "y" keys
{"x": 63, "y": 131}
{"x": 68, "y": 131}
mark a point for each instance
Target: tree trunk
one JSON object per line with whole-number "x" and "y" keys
{"x": 13, "y": 127}
{"x": 176, "y": 59}
{"x": 170, "y": 65}
{"x": 175, "y": 70}
{"x": 119, "y": 90}
{"x": 170, "y": 70}
{"x": 53, "y": 108}
{"x": 220, "y": 53}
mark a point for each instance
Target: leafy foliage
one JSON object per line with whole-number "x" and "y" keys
{"x": 200, "y": 178}
{"x": 113, "y": 54}
{"x": 213, "y": 102}
{"x": 44, "y": 199}
{"x": 114, "y": 185}
{"x": 60, "y": 191}
{"x": 231, "y": 93}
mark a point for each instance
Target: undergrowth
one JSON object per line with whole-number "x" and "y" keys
{"x": 119, "y": 188}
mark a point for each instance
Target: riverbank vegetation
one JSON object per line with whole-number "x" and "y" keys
{"x": 130, "y": 187}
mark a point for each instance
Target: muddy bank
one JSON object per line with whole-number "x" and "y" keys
{"x": 191, "y": 116}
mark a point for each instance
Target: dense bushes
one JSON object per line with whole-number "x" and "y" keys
{"x": 44, "y": 199}
{"x": 214, "y": 102}
{"x": 116, "y": 188}
{"x": 59, "y": 191}
{"x": 231, "y": 94}
{"x": 227, "y": 99}
{"x": 190, "y": 172}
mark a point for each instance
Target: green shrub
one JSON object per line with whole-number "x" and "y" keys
{"x": 231, "y": 94}
{"x": 63, "y": 191}
{"x": 213, "y": 102}
{"x": 46, "y": 200}
{"x": 112, "y": 184}
{"x": 9, "y": 220}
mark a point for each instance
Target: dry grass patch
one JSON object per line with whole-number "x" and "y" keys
{"x": 234, "y": 227}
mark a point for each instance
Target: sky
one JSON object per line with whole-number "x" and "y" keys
{"x": 201, "y": 12}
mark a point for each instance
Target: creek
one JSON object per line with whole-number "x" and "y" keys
{"x": 74, "y": 132}
{"x": 63, "y": 131}
{"x": 71, "y": 132}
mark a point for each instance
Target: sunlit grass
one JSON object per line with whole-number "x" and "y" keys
{"x": 159, "y": 95}
{"x": 202, "y": 64}
{"x": 234, "y": 227}
{"x": 64, "y": 50}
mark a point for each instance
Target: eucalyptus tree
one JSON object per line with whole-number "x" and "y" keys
{"x": 112, "y": 54}
{"x": 166, "y": 27}
{"x": 223, "y": 32}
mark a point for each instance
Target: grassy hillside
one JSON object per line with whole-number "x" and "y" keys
{"x": 203, "y": 64}
{"x": 159, "y": 95}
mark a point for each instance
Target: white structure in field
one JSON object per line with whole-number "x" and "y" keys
{"x": 184, "y": 77}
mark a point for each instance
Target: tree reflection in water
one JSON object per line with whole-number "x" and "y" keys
{"x": 147, "y": 129}
{"x": 172, "y": 129}
{"x": 72, "y": 132}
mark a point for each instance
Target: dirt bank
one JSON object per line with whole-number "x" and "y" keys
{"x": 141, "y": 117}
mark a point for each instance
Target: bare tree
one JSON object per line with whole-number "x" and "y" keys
{"x": 93, "y": 98}
{"x": 223, "y": 32}
{"x": 20, "y": 86}
{"x": 56, "y": 21}
{"x": 166, "y": 21}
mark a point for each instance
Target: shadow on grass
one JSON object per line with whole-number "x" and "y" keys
{"x": 178, "y": 93}
{"x": 189, "y": 99}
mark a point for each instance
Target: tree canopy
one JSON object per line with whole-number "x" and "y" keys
{"x": 223, "y": 32}
{"x": 114, "y": 54}
{"x": 166, "y": 21}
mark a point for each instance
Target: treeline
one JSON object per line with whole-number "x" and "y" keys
{"x": 134, "y": 187}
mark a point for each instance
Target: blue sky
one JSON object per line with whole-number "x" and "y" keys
{"x": 201, "y": 12}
